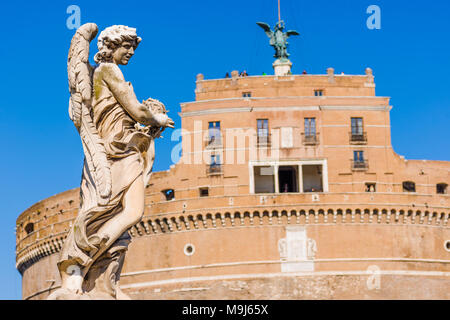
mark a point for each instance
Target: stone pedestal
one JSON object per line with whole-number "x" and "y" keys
{"x": 102, "y": 280}
{"x": 282, "y": 67}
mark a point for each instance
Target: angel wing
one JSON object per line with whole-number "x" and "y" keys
{"x": 80, "y": 85}
{"x": 266, "y": 28}
{"x": 292, "y": 33}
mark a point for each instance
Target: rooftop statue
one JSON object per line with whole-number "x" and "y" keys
{"x": 117, "y": 134}
{"x": 278, "y": 38}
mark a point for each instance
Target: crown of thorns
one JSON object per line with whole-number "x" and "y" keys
{"x": 154, "y": 105}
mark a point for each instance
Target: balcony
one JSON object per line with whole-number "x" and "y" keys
{"x": 214, "y": 169}
{"x": 310, "y": 139}
{"x": 263, "y": 140}
{"x": 360, "y": 165}
{"x": 358, "y": 138}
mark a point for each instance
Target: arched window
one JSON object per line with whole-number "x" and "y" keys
{"x": 409, "y": 186}
{"x": 29, "y": 228}
{"x": 441, "y": 188}
{"x": 371, "y": 187}
{"x": 169, "y": 194}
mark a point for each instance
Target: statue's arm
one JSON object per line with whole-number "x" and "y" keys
{"x": 124, "y": 94}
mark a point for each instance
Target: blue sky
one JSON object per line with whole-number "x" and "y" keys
{"x": 41, "y": 150}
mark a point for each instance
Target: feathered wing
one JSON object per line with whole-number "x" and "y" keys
{"x": 266, "y": 28}
{"x": 292, "y": 33}
{"x": 80, "y": 85}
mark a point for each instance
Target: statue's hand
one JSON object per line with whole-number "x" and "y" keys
{"x": 163, "y": 120}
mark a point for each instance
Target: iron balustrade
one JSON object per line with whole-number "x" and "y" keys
{"x": 360, "y": 165}
{"x": 358, "y": 138}
{"x": 214, "y": 169}
{"x": 263, "y": 140}
{"x": 310, "y": 139}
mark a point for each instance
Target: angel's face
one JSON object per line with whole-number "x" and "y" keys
{"x": 123, "y": 53}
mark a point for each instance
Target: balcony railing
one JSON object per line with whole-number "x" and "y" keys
{"x": 358, "y": 138}
{"x": 214, "y": 169}
{"x": 360, "y": 165}
{"x": 263, "y": 140}
{"x": 310, "y": 139}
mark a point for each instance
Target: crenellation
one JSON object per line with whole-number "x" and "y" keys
{"x": 297, "y": 85}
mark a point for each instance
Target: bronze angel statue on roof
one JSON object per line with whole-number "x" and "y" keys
{"x": 117, "y": 134}
{"x": 278, "y": 38}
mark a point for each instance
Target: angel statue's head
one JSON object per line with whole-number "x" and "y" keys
{"x": 116, "y": 44}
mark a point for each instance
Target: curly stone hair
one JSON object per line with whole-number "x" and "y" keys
{"x": 111, "y": 38}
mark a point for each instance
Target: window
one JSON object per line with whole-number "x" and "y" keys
{"x": 310, "y": 127}
{"x": 287, "y": 179}
{"x": 409, "y": 186}
{"x": 447, "y": 245}
{"x": 371, "y": 187}
{"x": 318, "y": 93}
{"x": 358, "y": 160}
{"x": 204, "y": 192}
{"x": 312, "y": 178}
{"x": 264, "y": 179}
{"x": 357, "y": 126}
{"x": 189, "y": 249}
{"x": 441, "y": 188}
{"x": 29, "y": 228}
{"x": 263, "y": 131}
{"x": 215, "y": 160}
{"x": 310, "y": 134}
{"x": 169, "y": 194}
{"x": 215, "y": 165}
{"x": 358, "y": 156}
{"x": 357, "y": 135}
{"x": 214, "y": 136}
{"x": 246, "y": 94}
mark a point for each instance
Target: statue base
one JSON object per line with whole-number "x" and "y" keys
{"x": 282, "y": 67}
{"x": 66, "y": 294}
{"x": 102, "y": 279}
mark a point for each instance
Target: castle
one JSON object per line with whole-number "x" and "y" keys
{"x": 287, "y": 187}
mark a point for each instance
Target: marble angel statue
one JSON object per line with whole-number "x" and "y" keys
{"x": 117, "y": 134}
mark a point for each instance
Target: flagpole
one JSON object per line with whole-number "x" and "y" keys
{"x": 279, "y": 11}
